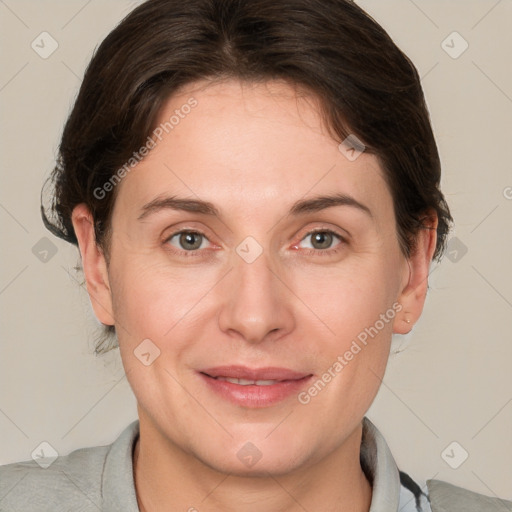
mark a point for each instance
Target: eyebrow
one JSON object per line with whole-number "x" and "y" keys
{"x": 300, "y": 207}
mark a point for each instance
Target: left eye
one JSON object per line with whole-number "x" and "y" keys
{"x": 321, "y": 240}
{"x": 188, "y": 240}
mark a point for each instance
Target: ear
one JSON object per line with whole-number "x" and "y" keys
{"x": 94, "y": 265}
{"x": 412, "y": 297}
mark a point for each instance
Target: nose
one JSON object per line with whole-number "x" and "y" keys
{"x": 257, "y": 303}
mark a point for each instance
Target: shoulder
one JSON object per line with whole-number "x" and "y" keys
{"x": 70, "y": 482}
{"x": 440, "y": 496}
{"x": 445, "y": 497}
{"x": 86, "y": 480}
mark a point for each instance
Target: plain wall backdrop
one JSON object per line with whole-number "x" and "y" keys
{"x": 450, "y": 379}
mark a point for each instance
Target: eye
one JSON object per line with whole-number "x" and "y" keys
{"x": 321, "y": 241}
{"x": 187, "y": 240}
{"x": 190, "y": 242}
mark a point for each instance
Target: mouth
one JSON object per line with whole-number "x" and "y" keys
{"x": 248, "y": 382}
{"x": 255, "y": 388}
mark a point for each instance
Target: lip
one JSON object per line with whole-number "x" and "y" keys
{"x": 263, "y": 394}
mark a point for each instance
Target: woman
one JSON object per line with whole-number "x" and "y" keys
{"x": 254, "y": 190}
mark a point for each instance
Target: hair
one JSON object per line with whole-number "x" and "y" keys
{"x": 365, "y": 86}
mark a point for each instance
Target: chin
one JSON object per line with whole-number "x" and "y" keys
{"x": 277, "y": 464}
{"x": 258, "y": 457}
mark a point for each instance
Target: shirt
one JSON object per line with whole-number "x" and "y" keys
{"x": 100, "y": 478}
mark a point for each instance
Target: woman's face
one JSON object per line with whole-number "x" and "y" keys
{"x": 251, "y": 292}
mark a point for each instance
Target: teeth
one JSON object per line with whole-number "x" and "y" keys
{"x": 266, "y": 382}
{"x": 246, "y": 382}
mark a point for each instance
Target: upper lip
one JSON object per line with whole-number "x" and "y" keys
{"x": 243, "y": 372}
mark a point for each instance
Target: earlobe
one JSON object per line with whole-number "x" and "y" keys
{"x": 94, "y": 265}
{"x": 403, "y": 323}
{"x": 413, "y": 295}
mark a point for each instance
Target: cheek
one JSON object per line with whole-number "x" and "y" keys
{"x": 351, "y": 354}
{"x": 151, "y": 298}
{"x": 347, "y": 300}
{"x": 351, "y": 339}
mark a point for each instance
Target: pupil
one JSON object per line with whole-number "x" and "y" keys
{"x": 323, "y": 239}
{"x": 188, "y": 238}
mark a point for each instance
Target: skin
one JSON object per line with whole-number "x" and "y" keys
{"x": 252, "y": 150}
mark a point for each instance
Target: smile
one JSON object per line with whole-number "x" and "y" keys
{"x": 246, "y": 382}
{"x": 253, "y": 388}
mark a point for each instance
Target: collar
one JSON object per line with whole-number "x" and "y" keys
{"x": 118, "y": 487}
{"x": 380, "y": 469}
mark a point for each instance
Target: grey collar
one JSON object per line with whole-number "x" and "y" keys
{"x": 380, "y": 469}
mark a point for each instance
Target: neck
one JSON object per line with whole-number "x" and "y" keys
{"x": 166, "y": 478}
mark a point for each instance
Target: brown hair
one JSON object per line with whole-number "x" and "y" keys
{"x": 366, "y": 86}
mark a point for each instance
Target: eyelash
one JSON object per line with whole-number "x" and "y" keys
{"x": 325, "y": 252}
{"x": 309, "y": 252}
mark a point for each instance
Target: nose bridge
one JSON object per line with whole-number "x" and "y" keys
{"x": 256, "y": 300}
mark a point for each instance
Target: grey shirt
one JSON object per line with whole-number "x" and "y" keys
{"x": 100, "y": 478}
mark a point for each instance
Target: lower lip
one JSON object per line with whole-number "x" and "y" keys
{"x": 255, "y": 396}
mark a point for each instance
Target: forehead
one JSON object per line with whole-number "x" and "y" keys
{"x": 249, "y": 146}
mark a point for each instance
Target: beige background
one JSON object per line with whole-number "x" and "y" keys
{"x": 451, "y": 379}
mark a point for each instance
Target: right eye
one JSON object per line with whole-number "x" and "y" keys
{"x": 187, "y": 241}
